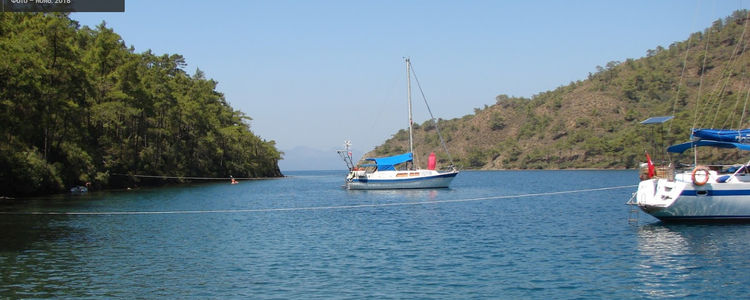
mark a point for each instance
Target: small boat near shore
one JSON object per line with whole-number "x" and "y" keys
{"x": 79, "y": 189}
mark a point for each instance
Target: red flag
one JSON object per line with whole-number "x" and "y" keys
{"x": 431, "y": 161}
{"x": 651, "y": 171}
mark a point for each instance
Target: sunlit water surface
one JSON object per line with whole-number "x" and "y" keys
{"x": 305, "y": 237}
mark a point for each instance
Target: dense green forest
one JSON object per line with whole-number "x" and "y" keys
{"x": 77, "y": 106}
{"x": 595, "y": 123}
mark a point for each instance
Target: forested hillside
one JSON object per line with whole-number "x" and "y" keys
{"x": 78, "y": 106}
{"x": 595, "y": 123}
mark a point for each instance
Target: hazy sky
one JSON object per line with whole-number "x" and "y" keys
{"x": 315, "y": 73}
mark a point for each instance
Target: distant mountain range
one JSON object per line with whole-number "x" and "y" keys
{"x": 595, "y": 123}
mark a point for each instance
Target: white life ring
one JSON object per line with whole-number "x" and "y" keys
{"x": 705, "y": 178}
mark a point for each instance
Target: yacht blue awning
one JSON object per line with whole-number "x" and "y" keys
{"x": 388, "y": 163}
{"x": 679, "y": 148}
{"x": 723, "y": 135}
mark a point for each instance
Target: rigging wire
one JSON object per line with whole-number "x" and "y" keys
{"x": 715, "y": 99}
{"x": 679, "y": 85}
{"x": 312, "y": 208}
{"x": 432, "y": 117}
{"x": 682, "y": 76}
{"x": 736, "y": 55}
{"x": 744, "y": 109}
{"x": 731, "y": 64}
{"x": 700, "y": 84}
{"x": 744, "y": 83}
{"x": 722, "y": 83}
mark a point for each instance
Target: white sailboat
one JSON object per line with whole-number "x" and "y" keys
{"x": 705, "y": 193}
{"x": 396, "y": 172}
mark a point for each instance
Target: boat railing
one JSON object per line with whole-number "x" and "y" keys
{"x": 718, "y": 168}
{"x": 669, "y": 171}
{"x": 449, "y": 168}
{"x": 660, "y": 172}
{"x": 346, "y": 155}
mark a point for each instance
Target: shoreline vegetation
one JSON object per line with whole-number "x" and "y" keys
{"x": 78, "y": 106}
{"x": 595, "y": 123}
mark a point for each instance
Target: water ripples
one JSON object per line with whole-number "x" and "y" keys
{"x": 556, "y": 246}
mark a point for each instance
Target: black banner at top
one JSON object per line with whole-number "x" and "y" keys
{"x": 62, "y": 6}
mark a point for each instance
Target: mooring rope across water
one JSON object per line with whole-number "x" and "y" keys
{"x": 311, "y": 208}
{"x": 191, "y": 177}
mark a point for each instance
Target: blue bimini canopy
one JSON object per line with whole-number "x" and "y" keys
{"x": 388, "y": 163}
{"x": 679, "y": 148}
{"x": 722, "y": 135}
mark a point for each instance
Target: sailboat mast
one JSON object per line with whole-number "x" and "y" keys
{"x": 408, "y": 90}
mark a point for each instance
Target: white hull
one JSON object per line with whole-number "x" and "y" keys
{"x": 382, "y": 180}
{"x": 384, "y": 173}
{"x": 681, "y": 199}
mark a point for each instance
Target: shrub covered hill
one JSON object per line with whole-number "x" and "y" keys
{"x": 78, "y": 106}
{"x": 595, "y": 123}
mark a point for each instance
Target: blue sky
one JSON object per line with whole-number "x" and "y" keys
{"x": 315, "y": 73}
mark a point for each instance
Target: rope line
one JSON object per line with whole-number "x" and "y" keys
{"x": 314, "y": 208}
{"x": 193, "y": 178}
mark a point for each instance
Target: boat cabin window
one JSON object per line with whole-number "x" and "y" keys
{"x": 370, "y": 167}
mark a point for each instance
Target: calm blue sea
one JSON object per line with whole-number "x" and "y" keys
{"x": 305, "y": 237}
